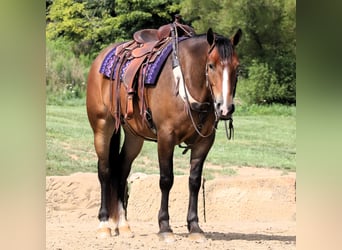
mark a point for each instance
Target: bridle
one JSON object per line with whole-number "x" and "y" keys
{"x": 190, "y": 101}
{"x": 230, "y": 129}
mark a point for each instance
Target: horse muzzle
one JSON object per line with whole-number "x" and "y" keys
{"x": 224, "y": 113}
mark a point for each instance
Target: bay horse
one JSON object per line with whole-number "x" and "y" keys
{"x": 209, "y": 66}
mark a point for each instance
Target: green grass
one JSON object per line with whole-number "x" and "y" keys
{"x": 261, "y": 141}
{"x": 264, "y": 137}
{"x": 69, "y": 141}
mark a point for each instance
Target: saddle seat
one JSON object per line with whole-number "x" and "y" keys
{"x": 146, "y": 35}
{"x": 152, "y": 35}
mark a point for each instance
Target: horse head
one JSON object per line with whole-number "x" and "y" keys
{"x": 221, "y": 70}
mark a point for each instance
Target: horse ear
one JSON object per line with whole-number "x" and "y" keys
{"x": 237, "y": 36}
{"x": 210, "y": 36}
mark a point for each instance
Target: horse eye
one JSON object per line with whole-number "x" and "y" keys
{"x": 211, "y": 66}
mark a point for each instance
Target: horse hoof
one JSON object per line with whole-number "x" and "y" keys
{"x": 103, "y": 233}
{"x": 197, "y": 237}
{"x": 167, "y": 237}
{"x": 126, "y": 232}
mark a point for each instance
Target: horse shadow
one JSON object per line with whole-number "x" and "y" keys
{"x": 216, "y": 236}
{"x": 248, "y": 237}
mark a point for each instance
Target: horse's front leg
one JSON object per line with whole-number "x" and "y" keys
{"x": 198, "y": 156}
{"x": 165, "y": 156}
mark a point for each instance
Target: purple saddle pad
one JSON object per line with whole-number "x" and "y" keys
{"x": 109, "y": 65}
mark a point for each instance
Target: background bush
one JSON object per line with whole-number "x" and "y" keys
{"x": 66, "y": 74}
{"x": 261, "y": 87}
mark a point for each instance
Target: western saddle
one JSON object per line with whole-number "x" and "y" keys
{"x": 142, "y": 50}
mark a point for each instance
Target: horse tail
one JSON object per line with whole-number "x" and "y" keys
{"x": 114, "y": 152}
{"x": 115, "y": 146}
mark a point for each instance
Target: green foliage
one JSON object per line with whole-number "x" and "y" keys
{"x": 67, "y": 18}
{"x": 77, "y": 30}
{"x": 261, "y": 86}
{"x": 268, "y": 46}
{"x": 65, "y": 74}
{"x": 202, "y": 14}
{"x": 267, "y": 49}
{"x": 93, "y": 25}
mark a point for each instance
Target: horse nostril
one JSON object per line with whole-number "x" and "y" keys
{"x": 231, "y": 108}
{"x": 217, "y": 105}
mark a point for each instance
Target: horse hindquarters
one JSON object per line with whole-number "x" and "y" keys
{"x": 117, "y": 169}
{"x": 107, "y": 149}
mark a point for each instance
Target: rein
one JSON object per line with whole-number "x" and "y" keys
{"x": 230, "y": 133}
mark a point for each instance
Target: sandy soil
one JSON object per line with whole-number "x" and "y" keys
{"x": 255, "y": 209}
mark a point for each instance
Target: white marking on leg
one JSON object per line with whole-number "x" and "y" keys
{"x": 122, "y": 218}
{"x": 104, "y": 224}
{"x": 123, "y": 226}
{"x": 104, "y": 230}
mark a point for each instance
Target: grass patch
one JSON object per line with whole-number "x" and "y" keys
{"x": 272, "y": 110}
{"x": 69, "y": 141}
{"x": 260, "y": 141}
{"x": 264, "y": 137}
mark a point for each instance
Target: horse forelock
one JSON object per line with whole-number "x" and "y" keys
{"x": 224, "y": 48}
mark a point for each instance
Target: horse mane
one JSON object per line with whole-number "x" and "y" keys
{"x": 223, "y": 44}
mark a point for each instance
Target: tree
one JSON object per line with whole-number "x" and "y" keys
{"x": 93, "y": 25}
{"x": 268, "y": 42}
{"x": 67, "y": 18}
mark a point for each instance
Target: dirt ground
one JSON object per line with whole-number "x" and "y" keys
{"x": 255, "y": 209}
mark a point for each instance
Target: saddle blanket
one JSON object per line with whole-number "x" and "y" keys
{"x": 152, "y": 71}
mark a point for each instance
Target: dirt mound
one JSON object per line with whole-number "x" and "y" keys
{"x": 256, "y": 209}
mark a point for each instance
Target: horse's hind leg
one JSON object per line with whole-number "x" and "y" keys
{"x": 107, "y": 146}
{"x": 129, "y": 151}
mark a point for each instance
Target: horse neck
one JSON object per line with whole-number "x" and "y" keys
{"x": 193, "y": 56}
